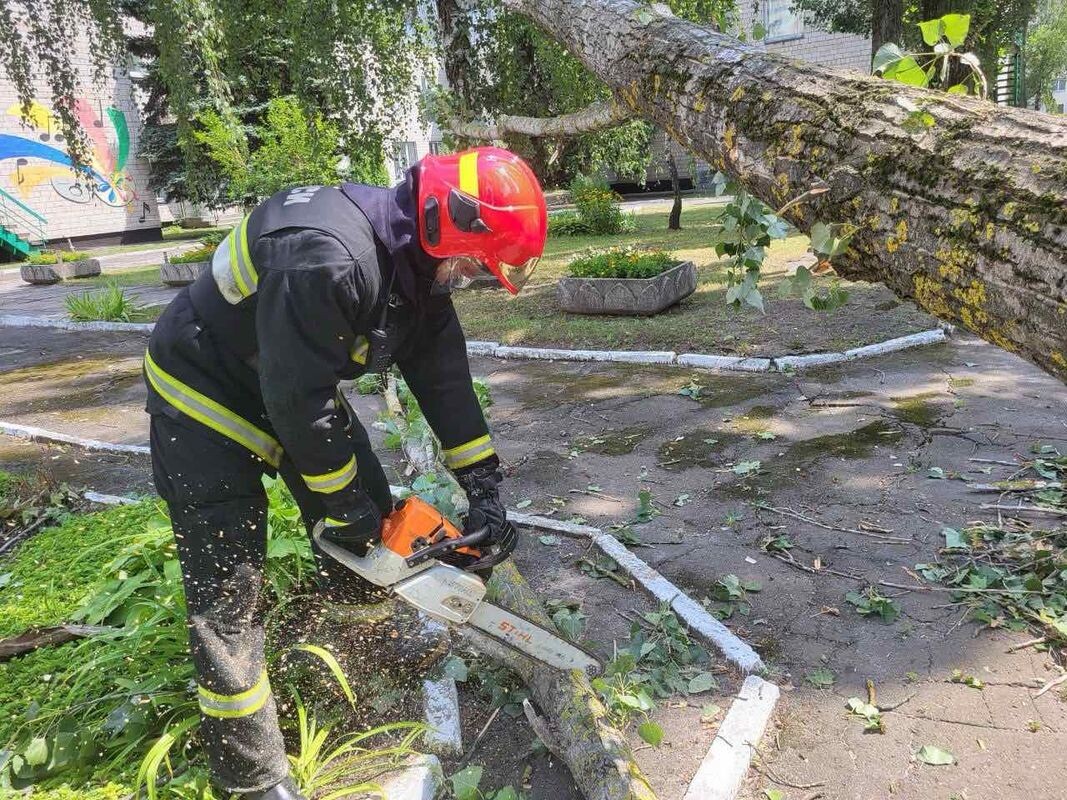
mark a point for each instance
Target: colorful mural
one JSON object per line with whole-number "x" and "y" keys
{"x": 39, "y": 156}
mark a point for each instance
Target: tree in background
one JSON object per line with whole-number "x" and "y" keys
{"x": 1045, "y": 53}
{"x": 291, "y": 149}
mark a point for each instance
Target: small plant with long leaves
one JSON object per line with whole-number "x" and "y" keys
{"x": 110, "y": 304}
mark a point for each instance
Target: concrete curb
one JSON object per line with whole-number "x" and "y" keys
{"x": 19, "y": 321}
{"x": 444, "y": 736}
{"x": 41, "y": 435}
{"x": 663, "y": 357}
{"x": 736, "y": 651}
{"x": 422, "y": 779}
{"x": 723, "y": 769}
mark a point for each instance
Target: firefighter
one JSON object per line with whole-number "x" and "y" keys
{"x": 320, "y": 284}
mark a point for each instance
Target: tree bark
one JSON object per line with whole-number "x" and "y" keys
{"x": 674, "y": 221}
{"x": 594, "y": 117}
{"x": 967, "y": 216}
{"x": 887, "y": 23}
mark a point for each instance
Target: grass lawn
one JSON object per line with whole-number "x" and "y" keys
{"x": 134, "y": 276}
{"x": 702, "y": 322}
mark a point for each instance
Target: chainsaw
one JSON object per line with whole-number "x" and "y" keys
{"x": 408, "y": 562}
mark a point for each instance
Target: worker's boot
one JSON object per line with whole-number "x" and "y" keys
{"x": 391, "y": 631}
{"x": 286, "y": 790}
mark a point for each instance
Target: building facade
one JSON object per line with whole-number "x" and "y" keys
{"x": 41, "y": 199}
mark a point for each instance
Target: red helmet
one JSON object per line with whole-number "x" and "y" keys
{"x": 482, "y": 209}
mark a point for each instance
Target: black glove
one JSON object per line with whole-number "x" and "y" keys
{"x": 480, "y": 482}
{"x": 355, "y": 528}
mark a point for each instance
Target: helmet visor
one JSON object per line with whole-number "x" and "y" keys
{"x": 515, "y": 277}
{"x": 459, "y": 272}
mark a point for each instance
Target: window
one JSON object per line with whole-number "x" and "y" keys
{"x": 404, "y": 155}
{"x": 435, "y": 147}
{"x": 781, "y": 22}
{"x": 1059, "y": 84}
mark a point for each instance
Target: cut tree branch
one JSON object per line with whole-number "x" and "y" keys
{"x": 959, "y": 204}
{"x": 594, "y": 117}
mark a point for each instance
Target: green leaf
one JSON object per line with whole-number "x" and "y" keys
{"x": 709, "y": 711}
{"x": 548, "y": 539}
{"x": 936, "y": 472}
{"x": 820, "y": 237}
{"x": 887, "y": 54}
{"x": 651, "y": 733}
{"x": 935, "y": 756}
{"x": 36, "y": 753}
{"x": 954, "y": 27}
{"x": 745, "y": 467}
{"x": 465, "y": 783}
{"x": 704, "y": 682}
{"x": 334, "y": 666}
{"x": 820, "y": 678}
{"x": 523, "y": 504}
{"x": 759, "y": 31}
{"x": 907, "y": 70}
{"x": 774, "y": 794}
{"x": 931, "y": 30}
{"x": 954, "y": 540}
{"x": 456, "y": 668}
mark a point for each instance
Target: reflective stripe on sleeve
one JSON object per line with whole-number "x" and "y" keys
{"x": 232, "y": 706}
{"x": 330, "y": 482}
{"x": 360, "y": 349}
{"x": 466, "y": 454}
{"x": 468, "y": 174}
{"x": 210, "y": 413}
{"x": 244, "y": 274}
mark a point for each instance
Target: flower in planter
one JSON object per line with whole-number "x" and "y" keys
{"x": 622, "y": 262}
{"x": 193, "y": 256}
{"x": 49, "y": 257}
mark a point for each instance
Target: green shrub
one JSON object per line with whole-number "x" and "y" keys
{"x": 598, "y": 207}
{"x": 622, "y": 262}
{"x": 214, "y": 238}
{"x": 567, "y": 223}
{"x": 52, "y": 257}
{"x": 193, "y": 256}
{"x": 108, "y": 305}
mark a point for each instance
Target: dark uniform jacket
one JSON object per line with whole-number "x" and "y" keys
{"x": 255, "y": 348}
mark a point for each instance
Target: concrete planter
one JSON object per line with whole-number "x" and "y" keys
{"x": 627, "y": 296}
{"x": 47, "y": 274}
{"x": 182, "y": 274}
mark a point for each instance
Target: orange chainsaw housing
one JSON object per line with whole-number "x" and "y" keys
{"x": 415, "y": 524}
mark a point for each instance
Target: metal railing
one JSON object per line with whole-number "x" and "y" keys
{"x": 19, "y": 218}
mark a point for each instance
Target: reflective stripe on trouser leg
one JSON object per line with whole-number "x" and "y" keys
{"x": 469, "y": 452}
{"x": 221, "y": 546}
{"x": 335, "y": 481}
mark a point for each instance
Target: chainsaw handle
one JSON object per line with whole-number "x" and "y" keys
{"x": 447, "y": 546}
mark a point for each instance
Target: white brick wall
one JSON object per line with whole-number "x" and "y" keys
{"x": 31, "y": 168}
{"x": 844, "y": 50}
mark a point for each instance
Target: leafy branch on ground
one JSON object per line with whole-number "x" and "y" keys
{"x": 660, "y": 661}
{"x": 1013, "y": 573}
{"x": 872, "y": 603}
{"x": 944, "y": 35}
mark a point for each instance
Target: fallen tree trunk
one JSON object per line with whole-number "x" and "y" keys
{"x": 958, "y": 203}
{"x": 574, "y": 720}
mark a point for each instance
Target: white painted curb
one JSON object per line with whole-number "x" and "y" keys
{"x": 723, "y": 769}
{"x": 421, "y": 780}
{"x": 41, "y": 435}
{"x": 694, "y": 615}
{"x": 444, "y": 735}
{"x": 664, "y": 357}
{"x": 20, "y": 321}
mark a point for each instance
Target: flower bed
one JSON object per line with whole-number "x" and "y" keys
{"x": 53, "y": 266}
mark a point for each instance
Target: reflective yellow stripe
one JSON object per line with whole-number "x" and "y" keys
{"x": 206, "y": 411}
{"x": 466, "y": 454}
{"x": 251, "y": 270}
{"x": 231, "y": 706}
{"x": 330, "y": 482}
{"x": 360, "y": 350}
{"x": 468, "y": 174}
{"x": 244, "y": 274}
{"x": 235, "y": 268}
